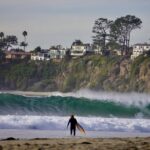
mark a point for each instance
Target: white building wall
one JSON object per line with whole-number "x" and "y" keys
{"x": 139, "y": 50}
{"x": 41, "y": 56}
{"x": 78, "y": 50}
{"x": 97, "y": 49}
{"x": 57, "y": 53}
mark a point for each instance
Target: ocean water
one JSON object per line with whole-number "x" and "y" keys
{"x": 95, "y": 111}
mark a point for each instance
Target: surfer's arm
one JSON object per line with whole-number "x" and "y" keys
{"x": 76, "y": 122}
{"x": 68, "y": 123}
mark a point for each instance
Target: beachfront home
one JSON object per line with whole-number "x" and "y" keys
{"x": 97, "y": 49}
{"x": 14, "y": 54}
{"x": 80, "y": 49}
{"x": 139, "y": 49}
{"x": 57, "y": 52}
{"x": 40, "y": 56}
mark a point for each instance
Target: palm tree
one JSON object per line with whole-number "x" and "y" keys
{"x": 24, "y": 33}
{"x": 1, "y": 35}
{"x": 2, "y": 45}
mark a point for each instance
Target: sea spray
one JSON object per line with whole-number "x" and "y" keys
{"x": 132, "y": 98}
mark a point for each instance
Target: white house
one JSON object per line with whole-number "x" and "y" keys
{"x": 40, "y": 56}
{"x": 80, "y": 49}
{"x": 57, "y": 52}
{"x": 97, "y": 49}
{"x": 139, "y": 49}
{"x": 63, "y": 52}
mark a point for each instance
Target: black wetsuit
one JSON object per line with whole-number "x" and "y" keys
{"x": 73, "y": 123}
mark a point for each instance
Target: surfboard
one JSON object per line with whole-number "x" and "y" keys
{"x": 80, "y": 128}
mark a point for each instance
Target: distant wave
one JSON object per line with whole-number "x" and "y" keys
{"x": 81, "y": 103}
{"x": 131, "y": 98}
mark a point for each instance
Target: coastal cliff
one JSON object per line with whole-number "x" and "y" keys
{"x": 93, "y": 72}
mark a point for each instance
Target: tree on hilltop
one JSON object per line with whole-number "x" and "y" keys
{"x": 37, "y": 49}
{"x": 121, "y": 30}
{"x": 24, "y": 43}
{"x": 1, "y": 35}
{"x": 24, "y": 33}
{"x": 2, "y": 40}
{"x": 10, "y": 40}
{"x": 101, "y": 29}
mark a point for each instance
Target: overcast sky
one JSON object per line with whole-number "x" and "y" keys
{"x": 51, "y": 22}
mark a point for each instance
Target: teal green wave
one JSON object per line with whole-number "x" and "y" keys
{"x": 57, "y": 105}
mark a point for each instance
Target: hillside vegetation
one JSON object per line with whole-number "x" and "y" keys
{"x": 92, "y": 72}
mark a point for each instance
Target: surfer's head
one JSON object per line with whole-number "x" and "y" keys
{"x": 72, "y": 116}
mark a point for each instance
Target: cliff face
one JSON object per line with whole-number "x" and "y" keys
{"x": 93, "y": 72}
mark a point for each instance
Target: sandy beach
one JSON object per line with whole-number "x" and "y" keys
{"x": 59, "y": 140}
{"x": 77, "y": 144}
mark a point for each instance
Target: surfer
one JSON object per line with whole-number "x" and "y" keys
{"x": 73, "y": 123}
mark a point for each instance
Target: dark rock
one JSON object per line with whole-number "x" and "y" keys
{"x": 86, "y": 143}
{"x": 9, "y": 138}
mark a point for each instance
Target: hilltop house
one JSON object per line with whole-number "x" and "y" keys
{"x": 57, "y": 52}
{"x": 80, "y": 49}
{"x": 14, "y": 54}
{"x": 40, "y": 56}
{"x": 97, "y": 49}
{"x": 139, "y": 49}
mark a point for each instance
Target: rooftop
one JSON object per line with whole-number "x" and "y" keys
{"x": 142, "y": 44}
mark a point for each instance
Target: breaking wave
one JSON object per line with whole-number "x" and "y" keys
{"x": 82, "y": 103}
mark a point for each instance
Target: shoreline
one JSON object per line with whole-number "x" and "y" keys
{"x": 78, "y": 143}
{"x": 50, "y": 134}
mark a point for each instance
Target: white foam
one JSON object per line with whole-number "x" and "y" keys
{"x": 137, "y": 99}
{"x": 60, "y": 123}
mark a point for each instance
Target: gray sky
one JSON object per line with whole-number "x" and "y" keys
{"x": 51, "y": 22}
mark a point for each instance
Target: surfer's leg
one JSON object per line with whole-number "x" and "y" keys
{"x": 70, "y": 131}
{"x": 74, "y": 131}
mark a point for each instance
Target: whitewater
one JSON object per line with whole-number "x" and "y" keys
{"x": 95, "y": 111}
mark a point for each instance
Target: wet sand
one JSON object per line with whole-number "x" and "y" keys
{"x": 138, "y": 143}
